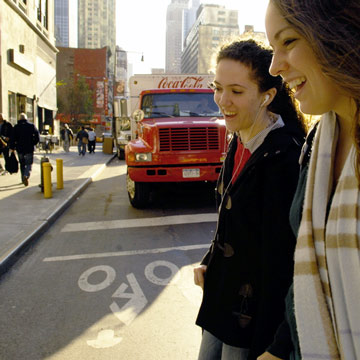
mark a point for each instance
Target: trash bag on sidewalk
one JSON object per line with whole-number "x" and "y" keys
{"x": 12, "y": 165}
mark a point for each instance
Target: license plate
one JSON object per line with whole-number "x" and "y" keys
{"x": 191, "y": 173}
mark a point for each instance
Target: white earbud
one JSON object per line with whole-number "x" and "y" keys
{"x": 267, "y": 97}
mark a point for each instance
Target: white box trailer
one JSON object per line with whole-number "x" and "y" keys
{"x": 125, "y": 127}
{"x": 138, "y": 83}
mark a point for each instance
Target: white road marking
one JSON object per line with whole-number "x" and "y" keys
{"x": 126, "y": 253}
{"x": 145, "y": 222}
{"x": 174, "y": 276}
{"x": 83, "y": 280}
{"x": 134, "y": 306}
{"x": 104, "y": 340}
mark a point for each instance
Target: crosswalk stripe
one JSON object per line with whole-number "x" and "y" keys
{"x": 141, "y": 222}
{"x": 126, "y": 253}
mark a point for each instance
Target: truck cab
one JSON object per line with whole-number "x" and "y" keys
{"x": 180, "y": 137}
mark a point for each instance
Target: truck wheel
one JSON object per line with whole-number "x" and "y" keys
{"x": 139, "y": 193}
{"x": 120, "y": 154}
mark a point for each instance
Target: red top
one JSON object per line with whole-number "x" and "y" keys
{"x": 242, "y": 154}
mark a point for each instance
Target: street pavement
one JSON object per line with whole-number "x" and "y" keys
{"x": 24, "y": 212}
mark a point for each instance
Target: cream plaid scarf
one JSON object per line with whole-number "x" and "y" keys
{"x": 327, "y": 263}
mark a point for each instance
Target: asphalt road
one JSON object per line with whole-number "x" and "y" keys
{"x": 108, "y": 281}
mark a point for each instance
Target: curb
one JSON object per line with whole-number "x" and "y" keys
{"x": 13, "y": 255}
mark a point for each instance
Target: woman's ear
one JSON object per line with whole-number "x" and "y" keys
{"x": 269, "y": 97}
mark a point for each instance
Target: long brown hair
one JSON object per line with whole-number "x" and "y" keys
{"x": 332, "y": 29}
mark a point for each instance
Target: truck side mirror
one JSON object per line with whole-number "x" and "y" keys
{"x": 138, "y": 115}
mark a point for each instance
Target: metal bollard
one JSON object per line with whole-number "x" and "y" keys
{"x": 47, "y": 180}
{"x": 42, "y": 160}
{"x": 59, "y": 174}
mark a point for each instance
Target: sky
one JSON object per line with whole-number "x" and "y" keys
{"x": 141, "y": 27}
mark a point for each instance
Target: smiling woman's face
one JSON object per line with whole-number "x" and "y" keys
{"x": 237, "y": 96}
{"x": 295, "y": 61}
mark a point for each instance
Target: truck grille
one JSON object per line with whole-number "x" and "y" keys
{"x": 187, "y": 139}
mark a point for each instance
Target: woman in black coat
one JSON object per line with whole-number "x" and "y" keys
{"x": 247, "y": 271}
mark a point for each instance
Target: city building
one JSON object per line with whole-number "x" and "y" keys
{"x": 28, "y": 62}
{"x": 62, "y": 22}
{"x": 174, "y": 35}
{"x": 97, "y": 26}
{"x": 214, "y": 25}
{"x": 259, "y": 36}
{"x": 190, "y": 17}
{"x": 97, "y": 29}
{"x": 92, "y": 64}
{"x": 66, "y": 23}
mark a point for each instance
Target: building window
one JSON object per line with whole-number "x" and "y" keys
{"x": 21, "y": 103}
{"x": 42, "y": 12}
{"x": 12, "y": 107}
{"x": 22, "y": 4}
{"x": 30, "y": 109}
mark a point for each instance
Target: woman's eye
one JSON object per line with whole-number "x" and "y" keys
{"x": 288, "y": 42}
{"x": 237, "y": 92}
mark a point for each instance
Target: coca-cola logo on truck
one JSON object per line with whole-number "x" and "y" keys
{"x": 190, "y": 82}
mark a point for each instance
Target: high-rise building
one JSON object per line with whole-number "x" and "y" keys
{"x": 174, "y": 35}
{"x": 97, "y": 26}
{"x": 190, "y": 16}
{"x": 65, "y": 16}
{"x": 214, "y": 24}
{"x": 62, "y": 22}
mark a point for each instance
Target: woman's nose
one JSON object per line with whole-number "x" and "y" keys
{"x": 224, "y": 99}
{"x": 278, "y": 64}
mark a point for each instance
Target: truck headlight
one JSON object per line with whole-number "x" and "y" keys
{"x": 143, "y": 157}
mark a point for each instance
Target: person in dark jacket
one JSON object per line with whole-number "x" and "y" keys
{"x": 25, "y": 137}
{"x": 5, "y": 134}
{"x": 83, "y": 138}
{"x": 247, "y": 271}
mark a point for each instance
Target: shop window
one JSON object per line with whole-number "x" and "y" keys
{"x": 20, "y": 103}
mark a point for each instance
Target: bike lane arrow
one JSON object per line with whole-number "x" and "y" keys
{"x": 134, "y": 306}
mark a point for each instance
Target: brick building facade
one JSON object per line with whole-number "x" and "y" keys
{"x": 93, "y": 65}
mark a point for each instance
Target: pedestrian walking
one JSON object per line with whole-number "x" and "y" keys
{"x": 25, "y": 137}
{"x": 67, "y": 137}
{"x": 83, "y": 139}
{"x": 247, "y": 271}
{"x": 92, "y": 140}
{"x": 316, "y": 50}
{"x": 5, "y": 134}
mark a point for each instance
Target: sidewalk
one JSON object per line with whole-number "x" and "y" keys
{"x": 26, "y": 214}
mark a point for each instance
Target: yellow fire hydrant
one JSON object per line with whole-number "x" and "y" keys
{"x": 59, "y": 174}
{"x": 47, "y": 180}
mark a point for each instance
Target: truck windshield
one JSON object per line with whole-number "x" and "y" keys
{"x": 179, "y": 104}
